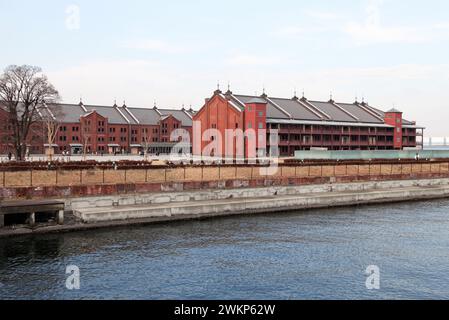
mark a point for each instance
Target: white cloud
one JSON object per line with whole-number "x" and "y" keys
{"x": 100, "y": 82}
{"x": 369, "y": 34}
{"x": 290, "y": 31}
{"x": 297, "y": 32}
{"x": 252, "y": 60}
{"x": 372, "y": 31}
{"x": 322, "y": 15}
{"x": 139, "y": 82}
{"x": 154, "y": 46}
{"x": 326, "y": 24}
{"x": 442, "y": 25}
{"x": 398, "y": 72}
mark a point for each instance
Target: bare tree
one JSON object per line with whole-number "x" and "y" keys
{"x": 85, "y": 138}
{"x": 51, "y": 117}
{"x": 146, "y": 142}
{"x": 23, "y": 89}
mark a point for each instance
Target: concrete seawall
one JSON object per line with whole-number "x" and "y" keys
{"x": 201, "y": 209}
{"x": 138, "y": 209}
{"x": 257, "y": 200}
{"x": 159, "y": 198}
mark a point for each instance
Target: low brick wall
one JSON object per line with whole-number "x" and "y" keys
{"x": 85, "y": 182}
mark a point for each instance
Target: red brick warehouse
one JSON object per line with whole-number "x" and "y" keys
{"x": 304, "y": 124}
{"x": 104, "y": 129}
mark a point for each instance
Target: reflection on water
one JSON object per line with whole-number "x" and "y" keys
{"x": 312, "y": 254}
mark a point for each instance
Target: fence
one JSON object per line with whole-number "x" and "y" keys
{"x": 371, "y": 155}
{"x": 85, "y": 177}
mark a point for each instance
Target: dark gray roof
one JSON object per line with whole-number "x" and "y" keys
{"x": 334, "y": 112}
{"x": 296, "y": 109}
{"x": 145, "y": 116}
{"x": 299, "y": 112}
{"x": 127, "y": 115}
{"x": 361, "y": 114}
{"x": 114, "y": 116}
{"x": 178, "y": 114}
{"x": 48, "y": 113}
{"x": 70, "y": 113}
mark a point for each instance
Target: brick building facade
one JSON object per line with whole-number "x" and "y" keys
{"x": 103, "y": 129}
{"x": 303, "y": 124}
{"x": 35, "y": 140}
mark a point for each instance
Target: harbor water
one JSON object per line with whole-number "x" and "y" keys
{"x": 314, "y": 254}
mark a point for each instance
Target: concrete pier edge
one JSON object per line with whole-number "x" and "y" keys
{"x": 325, "y": 196}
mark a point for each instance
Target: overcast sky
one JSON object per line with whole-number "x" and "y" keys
{"x": 392, "y": 52}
